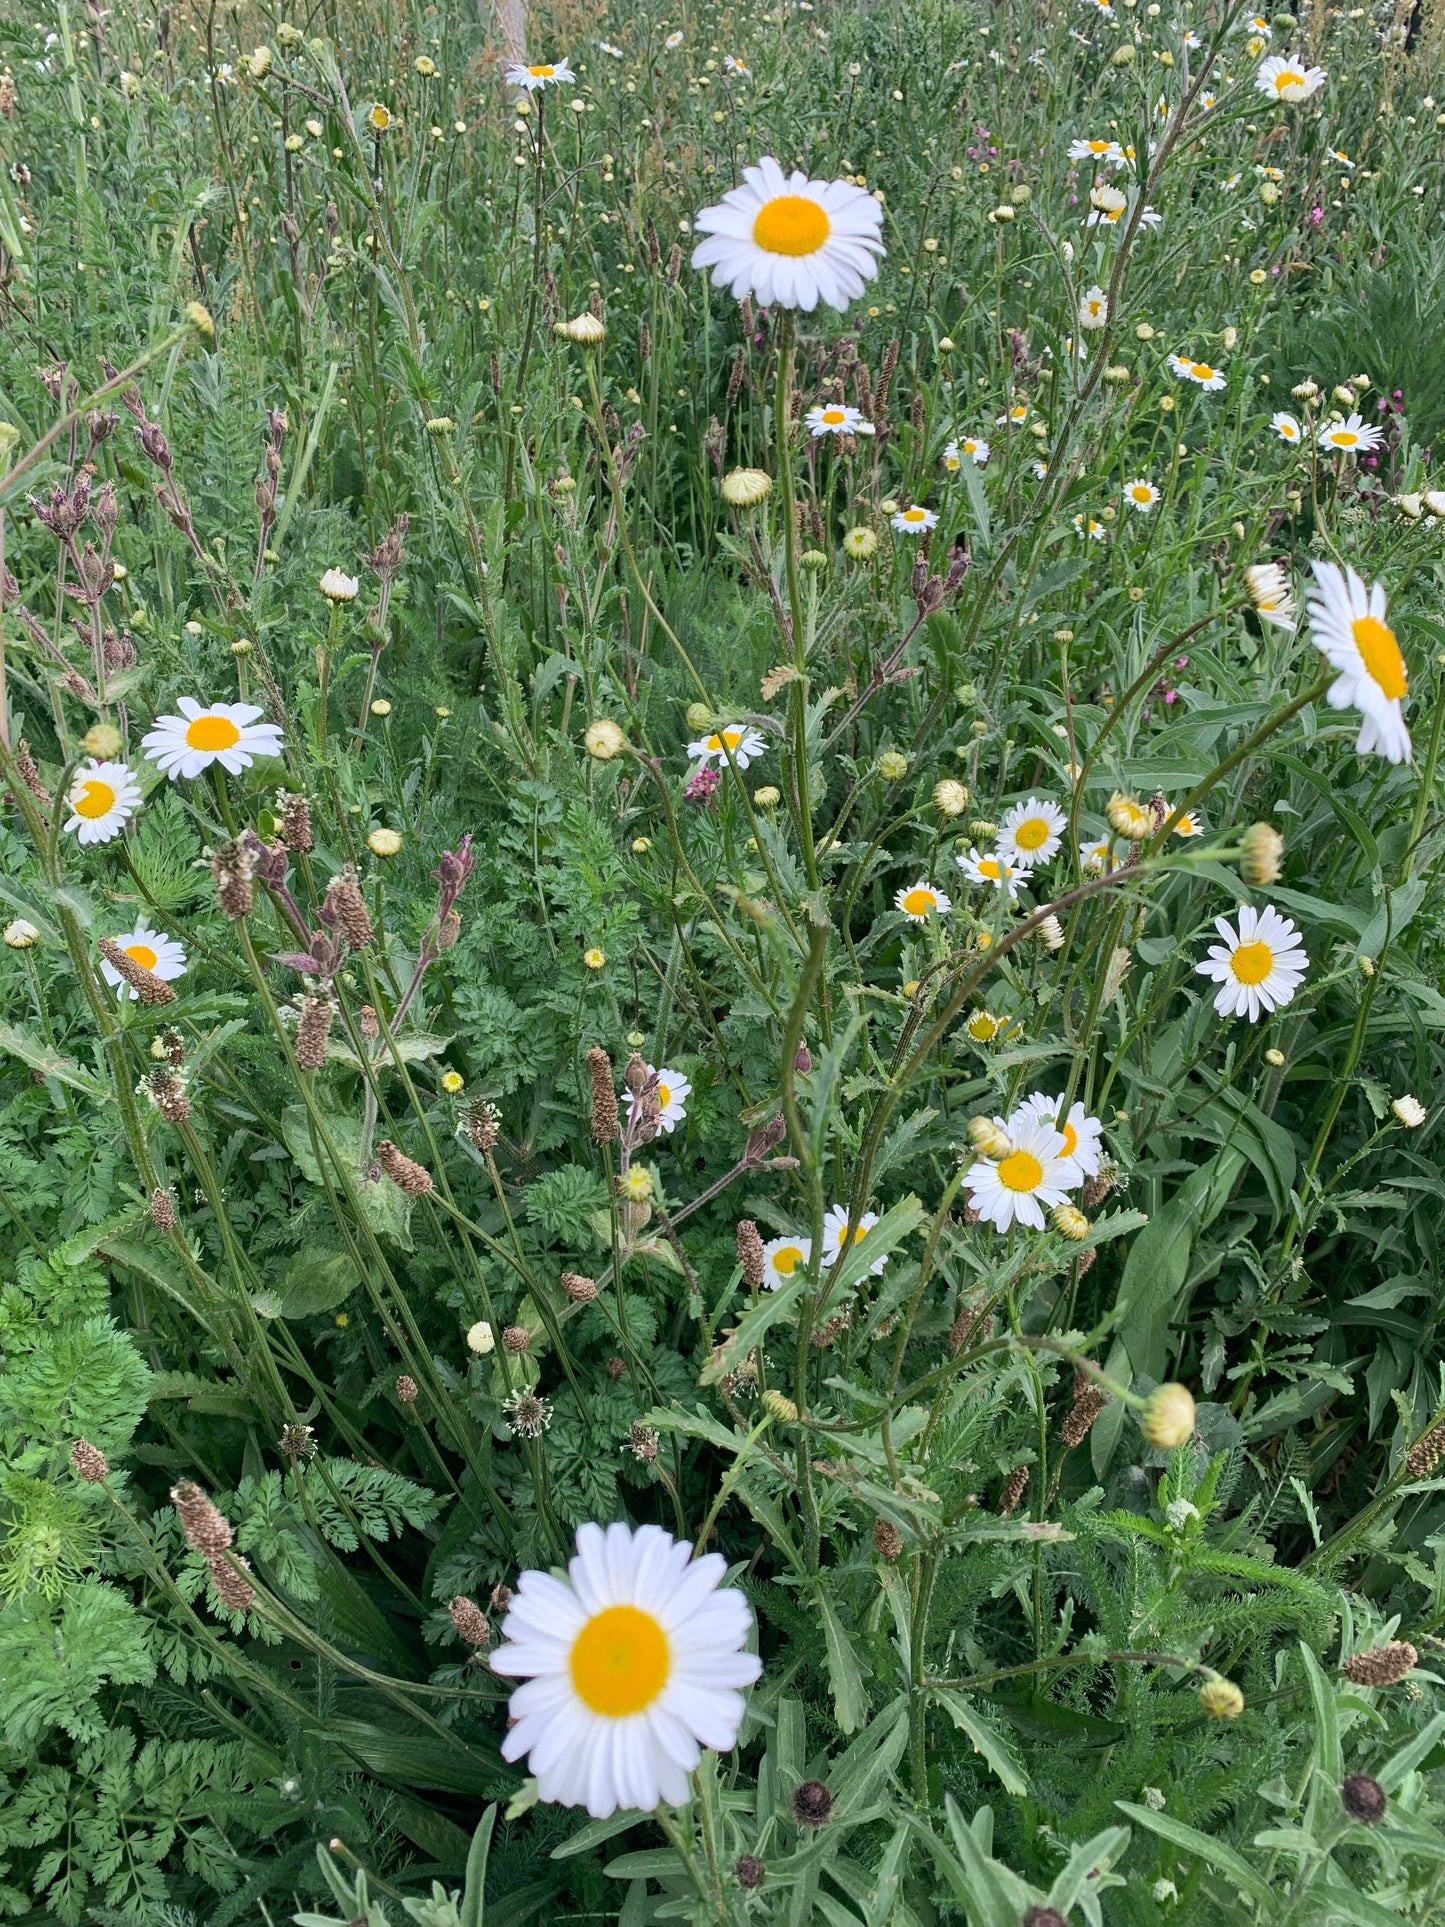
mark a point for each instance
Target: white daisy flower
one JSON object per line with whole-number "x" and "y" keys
{"x": 838, "y": 1235}
{"x": 1285, "y": 426}
{"x": 1099, "y": 858}
{"x": 224, "y": 733}
{"x": 631, "y": 1664}
{"x": 1348, "y": 627}
{"x": 673, "y": 1091}
{"x": 951, "y": 458}
{"x": 1083, "y": 1136}
{"x": 1017, "y": 1188}
{"x": 1141, "y": 495}
{"x": 534, "y": 79}
{"x": 920, "y": 901}
{"x": 1040, "y": 470}
{"x": 1093, "y": 531}
{"x": 1201, "y": 372}
{"x": 607, "y": 47}
{"x": 915, "y": 520}
{"x": 1259, "y": 967}
{"x": 746, "y": 745}
{"x": 1257, "y": 24}
{"x": 1353, "y": 436}
{"x": 783, "y": 1259}
{"x": 1192, "y": 41}
{"x": 791, "y": 241}
{"x": 1002, "y": 872}
{"x": 1014, "y": 417}
{"x": 674, "y": 39}
{"x": 974, "y": 447}
{"x": 1112, "y": 216}
{"x": 1094, "y": 308}
{"x": 1269, "y": 591}
{"x": 161, "y": 955}
{"x": 1339, "y": 154}
{"x": 1190, "y": 824}
{"x": 102, "y": 799}
{"x": 736, "y": 66}
{"x": 1031, "y": 832}
{"x": 833, "y": 419}
{"x": 1109, "y": 152}
{"x": 1286, "y": 77}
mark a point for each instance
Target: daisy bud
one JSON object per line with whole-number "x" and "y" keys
{"x": 780, "y": 1407}
{"x": 1383, "y": 1665}
{"x": 950, "y": 798}
{"x": 1409, "y": 1111}
{"x": 812, "y": 1804}
{"x": 988, "y": 1138}
{"x": 89, "y": 1461}
{"x": 887, "y": 1540}
{"x": 1274, "y": 1057}
{"x": 579, "y": 1289}
{"x": 203, "y": 1525}
{"x": 408, "y": 1176}
{"x": 1070, "y": 1222}
{"x": 604, "y": 1097}
{"x": 1261, "y": 850}
{"x": 584, "y": 328}
{"x": 469, "y": 1620}
{"x": 233, "y": 1589}
{"x": 1344, "y": 395}
{"x": 1167, "y": 1419}
{"x": 603, "y": 739}
{"x": 750, "y": 1254}
{"x": 1129, "y": 818}
{"x": 1412, "y": 506}
{"x": 1050, "y": 933}
{"x": 1221, "y": 1699}
{"x": 1305, "y": 391}
{"x": 744, "y": 488}
{"x": 480, "y": 1338}
{"x": 1363, "y": 1799}
{"x": 1014, "y": 1487}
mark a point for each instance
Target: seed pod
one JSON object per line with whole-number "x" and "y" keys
{"x": 348, "y": 909}
{"x": 407, "y": 1389}
{"x": 448, "y": 930}
{"x": 616, "y": 1368}
{"x": 1363, "y": 1798}
{"x": 204, "y": 1526}
{"x": 1099, "y": 1186}
{"x": 604, "y": 1097}
{"x": 750, "y": 1254}
{"x": 1014, "y": 1487}
{"x": 969, "y": 1319}
{"x": 812, "y": 1804}
{"x": 515, "y": 1339}
{"x": 1383, "y": 1665}
{"x": 312, "y": 1032}
{"x": 163, "y": 1209}
{"x": 579, "y": 1289}
{"x": 1089, "y": 1401}
{"x": 232, "y": 868}
{"x": 233, "y": 1589}
{"x": 1261, "y": 854}
{"x": 887, "y": 1540}
{"x": 469, "y": 1620}
{"x": 1426, "y": 1453}
{"x": 295, "y": 822}
{"x": 29, "y": 774}
{"x": 89, "y": 1461}
{"x": 482, "y": 1125}
{"x": 404, "y": 1172}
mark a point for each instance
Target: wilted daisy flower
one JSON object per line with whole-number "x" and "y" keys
{"x": 1094, "y": 308}
{"x": 997, "y": 869}
{"x": 1259, "y": 967}
{"x": 224, "y": 733}
{"x": 920, "y": 901}
{"x": 1348, "y": 627}
{"x": 791, "y": 241}
{"x": 1409, "y": 1111}
{"x": 1032, "y": 1175}
{"x": 834, "y": 419}
{"x": 1031, "y": 832}
{"x": 1286, "y": 77}
{"x": 533, "y": 79}
{"x": 1197, "y": 371}
{"x": 19, "y": 934}
{"x": 1129, "y": 817}
{"x": 102, "y": 799}
{"x": 673, "y": 1091}
{"x": 838, "y": 1235}
{"x": 1083, "y": 1147}
{"x": 632, "y": 1664}
{"x": 783, "y": 1258}
{"x": 1285, "y": 426}
{"x": 1269, "y": 591}
{"x": 162, "y": 956}
{"x": 1353, "y": 436}
{"x": 1109, "y": 152}
{"x": 745, "y": 745}
{"x": 1141, "y": 495}
{"x": 337, "y": 586}
{"x": 915, "y": 520}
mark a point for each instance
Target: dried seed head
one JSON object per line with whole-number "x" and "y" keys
{"x": 1363, "y": 1798}
{"x": 1100, "y": 1185}
{"x": 1014, "y": 1488}
{"x": 404, "y": 1172}
{"x": 749, "y": 1872}
{"x": 483, "y": 1125}
{"x": 232, "y": 868}
{"x": 89, "y": 1461}
{"x": 515, "y": 1339}
{"x": 615, "y": 1367}
{"x": 469, "y": 1620}
{"x": 501, "y": 1598}
{"x": 604, "y": 1097}
{"x": 172, "y": 1046}
{"x": 163, "y": 1209}
{"x": 812, "y": 1804}
{"x": 29, "y": 774}
{"x": 643, "y": 1442}
{"x": 166, "y": 1091}
{"x": 970, "y": 1321}
{"x": 204, "y": 1526}
{"x": 369, "y": 1023}
{"x": 579, "y": 1289}
{"x": 296, "y": 1442}
{"x": 528, "y": 1415}
{"x": 233, "y": 1589}
{"x": 407, "y": 1389}
{"x": 348, "y": 909}
{"x": 1089, "y": 1401}
{"x": 312, "y": 1032}
{"x": 887, "y": 1539}
{"x": 1426, "y": 1453}
{"x": 295, "y": 821}
{"x": 1221, "y": 1699}
{"x": 1043, "y": 1917}
{"x": 750, "y": 1254}
{"x": 1383, "y": 1665}
{"x": 151, "y": 989}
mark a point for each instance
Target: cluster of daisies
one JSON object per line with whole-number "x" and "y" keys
{"x": 105, "y": 794}
{"x": 1031, "y": 1161}
{"x": 1029, "y": 836}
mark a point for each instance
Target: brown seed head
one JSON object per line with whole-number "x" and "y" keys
{"x": 232, "y": 868}
{"x": 204, "y": 1526}
{"x": 604, "y": 1097}
{"x": 163, "y": 1209}
{"x": 1014, "y": 1487}
{"x": 749, "y": 1872}
{"x": 1383, "y": 1665}
{"x": 348, "y": 909}
{"x": 404, "y": 1172}
{"x": 483, "y": 1125}
{"x": 616, "y": 1367}
{"x": 887, "y": 1539}
{"x": 1089, "y": 1401}
{"x": 407, "y": 1389}
{"x": 1426, "y": 1453}
{"x": 166, "y": 1091}
{"x": 501, "y": 1597}
{"x": 1043, "y": 1917}
{"x": 295, "y": 821}
{"x": 297, "y": 1442}
{"x": 151, "y": 989}
{"x": 89, "y": 1461}
{"x": 469, "y": 1620}
{"x": 750, "y": 1254}
{"x": 233, "y": 1589}
{"x": 970, "y": 1320}
{"x": 1363, "y": 1798}
{"x": 515, "y": 1339}
{"x": 579, "y": 1289}
{"x": 312, "y": 1032}
{"x": 812, "y": 1804}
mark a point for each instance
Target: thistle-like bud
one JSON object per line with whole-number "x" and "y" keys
{"x": 1261, "y": 854}
{"x": 312, "y": 1032}
{"x": 1221, "y": 1699}
{"x": 604, "y": 1097}
{"x": 1014, "y": 1488}
{"x": 163, "y": 1209}
{"x": 579, "y": 1289}
{"x": 469, "y": 1620}
{"x": 89, "y": 1461}
{"x": 515, "y": 1339}
{"x": 887, "y": 1540}
{"x": 1383, "y": 1665}
{"x": 204, "y": 1526}
{"x": 812, "y": 1804}
{"x": 348, "y": 909}
{"x": 233, "y": 1589}
{"x": 750, "y": 1254}
{"x": 1363, "y": 1799}
{"x": 749, "y": 1872}
{"x": 404, "y": 1172}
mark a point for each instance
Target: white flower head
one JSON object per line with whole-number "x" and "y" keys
{"x": 1286, "y": 77}
{"x": 745, "y": 746}
{"x": 337, "y": 586}
{"x": 1353, "y": 436}
{"x": 161, "y": 955}
{"x": 920, "y": 901}
{"x": 226, "y": 733}
{"x": 783, "y": 1259}
{"x": 790, "y": 241}
{"x": 1409, "y": 1111}
{"x": 1348, "y": 627}
{"x": 1003, "y": 872}
{"x": 838, "y": 1235}
{"x": 1030, "y": 1178}
{"x": 1269, "y": 591}
{"x": 833, "y": 418}
{"x": 1083, "y": 1136}
{"x": 1258, "y": 967}
{"x": 1286, "y": 426}
{"x": 673, "y": 1091}
{"x": 1093, "y": 308}
{"x": 534, "y": 79}
{"x": 631, "y": 1664}
{"x": 1141, "y": 495}
{"x": 1110, "y": 153}
{"x": 1031, "y": 832}
{"x": 1204, "y": 373}
{"x": 102, "y": 799}
{"x": 915, "y": 520}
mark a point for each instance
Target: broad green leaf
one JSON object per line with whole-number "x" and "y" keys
{"x": 995, "y": 1750}
{"x": 34, "y": 1051}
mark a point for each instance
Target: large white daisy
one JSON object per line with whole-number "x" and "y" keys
{"x": 1016, "y": 1188}
{"x": 1348, "y": 627}
{"x": 1031, "y": 832}
{"x": 744, "y": 745}
{"x": 161, "y": 955}
{"x": 1353, "y": 436}
{"x": 673, "y": 1091}
{"x": 224, "y": 733}
{"x": 534, "y": 79}
{"x": 1258, "y": 967}
{"x": 1002, "y": 872}
{"x": 783, "y": 1259}
{"x": 1083, "y": 1148}
{"x": 631, "y": 1665}
{"x": 838, "y": 1235}
{"x": 1109, "y": 152}
{"x": 833, "y": 418}
{"x": 1286, "y": 77}
{"x": 791, "y": 241}
{"x": 102, "y": 799}
{"x": 920, "y": 901}
{"x": 1202, "y": 372}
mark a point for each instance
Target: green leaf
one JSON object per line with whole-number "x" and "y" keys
{"x": 1327, "y": 1718}
{"x": 1214, "y": 1853}
{"x": 992, "y": 1746}
{"x": 845, "y": 1674}
{"x": 15, "y": 1042}
{"x": 471, "y": 1912}
{"x": 312, "y": 1285}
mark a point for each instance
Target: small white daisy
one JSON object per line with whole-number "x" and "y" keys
{"x": 974, "y": 447}
{"x": 162, "y": 956}
{"x": 1031, "y": 832}
{"x": 1112, "y": 216}
{"x": 102, "y": 799}
{"x": 833, "y": 418}
{"x": 791, "y": 241}
{"x": 915, "y": 520}
{"x": 736, "y": 66}
{"x": 673, "y": 1091}
{"x": 996, "y": 869}
{"x": 783, "y": 1259}
{"x": 746, "y": 745}
{"x": 224, "y": 733}
{"x": 1093, "y": 308}
{"x": 674, "y": 39}
{"x": 1098, "y": 859}
{"x": 1339, "y": 154}
{"x": 1269, "y": 591}
{"x": 1348, "y": 627}
{"x": 1202, "y": 372}
{"x": 1016, "y": 1188}
{"x": 1259, "y": 967}
{"x": 920, "y": 901}
{"x": 1190, "y": 824}
{"x": 1285, "y": 426}
{"x": 1088, "y": 528}
{"x": 1014, "y": 417}
{"x": 1286, "y": 77}
{"x": 1353, "y": 436}
{"x": 1109, "y": 152}
{"x": 838, "y": 1235}
{"x": 534, "y": 79}
{"x": 1141, "y": 495}
{"x": 1083, "y": 1147}
{"x": 632, "y": 1664}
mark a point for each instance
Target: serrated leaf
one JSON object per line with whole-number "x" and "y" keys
{"x": 992, "y": 1747}
{"x": 15, "y": 1042}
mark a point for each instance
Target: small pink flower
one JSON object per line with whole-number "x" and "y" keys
{"x": 700, "y": 787}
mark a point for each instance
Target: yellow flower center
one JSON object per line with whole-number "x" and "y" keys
{"x": 1100, "y": 147}
{"x": 1381, "y": 656}
{"x": 1071, "y": 1141}
{"x": 919, "y": 902}
{"x": 1252, "y": 962}
{"x": 1288, "y": 430}
{"x": 1141, "y": 492}
{"x": 1032, "y": 833}
{"x": 791, "y": 224}
{"x": 142, "y": 954}
{"x": 1020, "y": 1171}
{"x": 787, "y": 1260}
{"x": 540, "y": 73}
{"x": 989, "y": 866}
{"x": 1343, "y": 437}
{"x": 664, "y": 1095}
{"x": 913, "y": 515}
{"x": 620, "y": 1662}
{"x": 1289, "y": 78}
{"x": 212, "y": 733}
{"x": 93, "y": 799}
{"x": 1203, "y": 371}
{"x": 981, "y": 1027}
{"x": 833, "y": 416}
